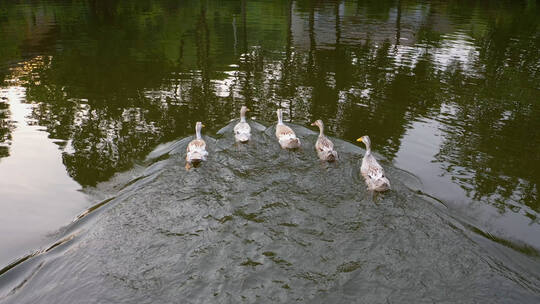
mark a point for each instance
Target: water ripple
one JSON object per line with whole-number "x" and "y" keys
{"x": 259, "y": 224}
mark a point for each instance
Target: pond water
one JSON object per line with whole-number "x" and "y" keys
{"x": 99, "y": 99}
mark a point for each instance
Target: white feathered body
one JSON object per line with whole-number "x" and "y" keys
{"x": 324, "y": 146}
{"x": 325, "y": 149}
{"x": 286, "y": 137}
{"x": 373, "y": 174}
{"x": 242, "y": 132}
{"x": 196, "y": 151}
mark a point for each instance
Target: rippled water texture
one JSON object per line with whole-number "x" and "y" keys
{"x": 260, "y": 224}
{"x": 99, "y": 99}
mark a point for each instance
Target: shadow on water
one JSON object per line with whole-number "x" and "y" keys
{"x": 256, "y": 223}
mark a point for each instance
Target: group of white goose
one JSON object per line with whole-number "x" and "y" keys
{"x": 371, "y": 170}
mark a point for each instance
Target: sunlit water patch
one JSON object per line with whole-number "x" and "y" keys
{"x": 36, "y": 193}
{"x": 259, "y": 224}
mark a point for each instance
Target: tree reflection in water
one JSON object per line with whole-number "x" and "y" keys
{"x": 5, "y": 127}
{"x": 127, "y": 77}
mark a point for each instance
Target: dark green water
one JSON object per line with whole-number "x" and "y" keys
{"x": 99, "y": 98}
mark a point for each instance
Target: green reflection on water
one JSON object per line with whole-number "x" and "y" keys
{"x": 115, "y": 78}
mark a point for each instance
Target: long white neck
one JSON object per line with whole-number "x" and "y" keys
{"x": 368, "y": 147}
{"x": 198, "y": 132}
{"x": 242, "y": 116}
{"x": 280, "y": 118}
{"x": 321, "y": 129}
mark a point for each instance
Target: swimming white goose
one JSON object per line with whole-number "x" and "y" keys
{"x": 372, "y": 172}
{"x": 196, "y": 149}
{"x": 242, "y": 130}
{"x": 285, "y": 135}
{"x": 323, "y": 146}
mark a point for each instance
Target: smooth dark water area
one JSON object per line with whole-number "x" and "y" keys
{"x": 99, "y": 99}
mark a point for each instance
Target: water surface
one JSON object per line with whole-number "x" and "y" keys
{"x": 448, "y": 92}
